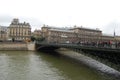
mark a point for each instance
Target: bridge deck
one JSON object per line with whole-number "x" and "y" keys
{"x": 82, "y": 47}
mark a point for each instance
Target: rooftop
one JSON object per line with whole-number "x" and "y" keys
{"x": 61, "y": 30}
{"x": 71, "y": 28}
{"x": 85, "y": 28}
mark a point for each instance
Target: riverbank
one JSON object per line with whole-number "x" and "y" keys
{"x": 17, "y": 46}
{"x": 89, "y": 62}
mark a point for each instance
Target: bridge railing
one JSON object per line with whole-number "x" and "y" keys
{"x": 105, "y": 46}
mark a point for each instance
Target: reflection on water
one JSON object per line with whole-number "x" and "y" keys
{"x": 26, "y": 65}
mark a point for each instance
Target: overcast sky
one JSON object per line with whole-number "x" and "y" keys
{"x": 102, "y": 14}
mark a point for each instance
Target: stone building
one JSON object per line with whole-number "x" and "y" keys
{"x": 117, "y": 38}
{"x": 71, "y": 35}
{"x": 19, "y": 31}
{"x": 45, "y": 30}
{"x": 106, "y": 38}
{"x": 61, "y": 36}
{"x": 37, "y": 33}
{"x": 87, "y": 34}
{"x": 3, "y": 33}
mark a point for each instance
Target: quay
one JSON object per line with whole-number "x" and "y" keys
{"x": 18, "y": 46}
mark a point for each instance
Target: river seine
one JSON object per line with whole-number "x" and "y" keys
{"x": 27, "y": 65}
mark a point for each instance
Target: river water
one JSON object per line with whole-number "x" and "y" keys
{"x": 27, "y": 65}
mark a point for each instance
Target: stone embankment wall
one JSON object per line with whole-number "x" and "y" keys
{"x": 17, "y": 46}
{"x": 31, "y": 46}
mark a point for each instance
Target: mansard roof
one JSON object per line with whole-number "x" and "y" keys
{"x": 16, "y": 22}
{"x": 88, "y": 29}
{"x": 75, "y": 27}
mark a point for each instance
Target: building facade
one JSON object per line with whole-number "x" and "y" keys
{"x": 37, "y": 33}
{"x": 61, "y": 36}
{"x": 71, "y": 35}
{"x": 106, "y": 38}
{"x": 3, "y": 33}
{"x": 19, "y": 31}
{"x": 87, "y": 34}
